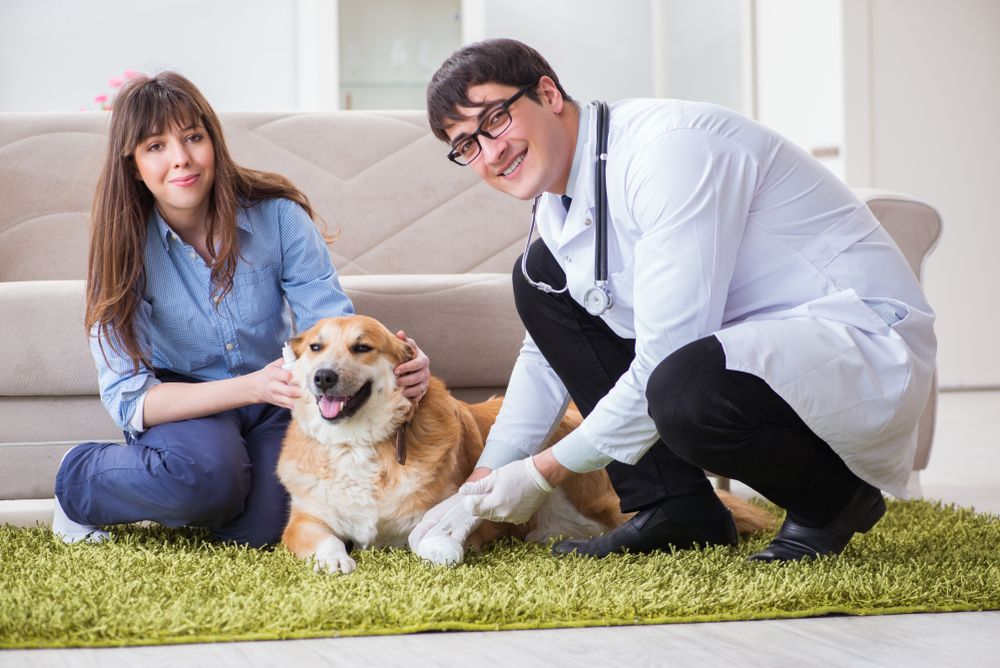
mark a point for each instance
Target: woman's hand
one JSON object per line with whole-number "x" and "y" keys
{"x": 271, "y": 385}
{"x": 414, "y": 375}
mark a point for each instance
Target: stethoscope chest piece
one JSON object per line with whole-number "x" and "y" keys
{"x": 597, "y": 299}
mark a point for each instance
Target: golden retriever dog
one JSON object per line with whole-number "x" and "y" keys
{"x": 362, "y": 463}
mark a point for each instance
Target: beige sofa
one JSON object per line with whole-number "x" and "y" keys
{"x": 422, "y": 246}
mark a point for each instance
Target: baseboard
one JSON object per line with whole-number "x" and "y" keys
{"x": 26, "y": 512}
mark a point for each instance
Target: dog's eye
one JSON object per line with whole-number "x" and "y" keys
{"x": 361, "y": 348}
{"x": 315, "y": 347}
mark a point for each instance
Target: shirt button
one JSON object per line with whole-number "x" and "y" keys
{"x": 194, "y": 255}
{"x": 569, "y": 258}
{"x": 173, "y": 236}
{"x": 587, "y": 222}
{"x": 230, "y": 346}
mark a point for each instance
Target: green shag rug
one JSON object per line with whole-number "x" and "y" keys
{"x": 153, "y": 586}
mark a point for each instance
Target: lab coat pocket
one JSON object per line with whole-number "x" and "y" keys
{"x": 621, "y": 286}
{"x": 892, "y": 311}
{"x": 257, "y": 295}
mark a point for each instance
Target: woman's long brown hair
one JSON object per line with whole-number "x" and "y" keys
{"x": 116, "y": 274}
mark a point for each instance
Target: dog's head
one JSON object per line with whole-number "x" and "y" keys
{"x": 344, "y": 367}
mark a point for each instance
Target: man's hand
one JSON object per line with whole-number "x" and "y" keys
{"x": 413, "y": 376}
{"x": 512, "y": 493}
{"x": 445, "y": 519}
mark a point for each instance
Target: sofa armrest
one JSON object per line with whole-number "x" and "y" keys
{"x": 916, "y": 228}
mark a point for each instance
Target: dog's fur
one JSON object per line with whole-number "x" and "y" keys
{"x": 341, "y": 470}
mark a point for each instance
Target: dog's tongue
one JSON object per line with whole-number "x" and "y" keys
{"x": 330, "y": 407}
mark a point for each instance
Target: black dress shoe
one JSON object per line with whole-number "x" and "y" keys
{"x": 652, "y": 529}
{"x": 795, "y": 541}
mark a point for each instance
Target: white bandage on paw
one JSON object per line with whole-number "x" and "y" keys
{"x": 445, "y": 543}
{"x": 288, "y": 355}
{"x": 441, "y": 550}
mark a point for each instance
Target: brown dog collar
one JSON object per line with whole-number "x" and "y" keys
{"x": 401, "y": 443}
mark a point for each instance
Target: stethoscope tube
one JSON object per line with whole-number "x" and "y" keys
{"x": 601, "y": 195}
{"x": 598, "y": 299}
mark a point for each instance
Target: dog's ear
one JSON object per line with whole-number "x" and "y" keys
{"x": 402, "y": 350}
{"x": 298, "y": 344}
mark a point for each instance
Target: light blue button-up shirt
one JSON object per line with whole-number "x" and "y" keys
{"x": 283, "y": 263}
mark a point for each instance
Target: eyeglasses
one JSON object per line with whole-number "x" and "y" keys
{"x": 494, "y": 125}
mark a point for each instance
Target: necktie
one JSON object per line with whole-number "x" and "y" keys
{"x": 566, "y": 201}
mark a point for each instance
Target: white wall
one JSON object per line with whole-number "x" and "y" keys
{"x": 800, "y": 74}
{"x": 599, "y": 49}
{"x": 57, "y": 55}
{"x": 925, "y": 78}
{"x": 699, "y": 50}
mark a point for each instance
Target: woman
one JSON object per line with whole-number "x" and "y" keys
{"x": 192, "y": 259}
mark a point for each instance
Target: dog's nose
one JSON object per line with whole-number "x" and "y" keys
{"x": 325, "y": 379}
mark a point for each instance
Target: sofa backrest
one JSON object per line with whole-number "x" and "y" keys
{"x": 380, "y": 179}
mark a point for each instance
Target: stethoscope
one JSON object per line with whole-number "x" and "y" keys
{"x": 597, "y": 299}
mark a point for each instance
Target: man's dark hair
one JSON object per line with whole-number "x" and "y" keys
{"x": 501, "y": 61}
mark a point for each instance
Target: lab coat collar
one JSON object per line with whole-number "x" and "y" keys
{"x": 580, "y": 185}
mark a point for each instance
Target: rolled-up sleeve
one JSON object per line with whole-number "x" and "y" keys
{"x": 122, "y": 386}
{"x": 532, "y": 408}
{"x": 308, "y": 277}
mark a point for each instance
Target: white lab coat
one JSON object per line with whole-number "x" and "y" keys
{"x": 719, "y": 225}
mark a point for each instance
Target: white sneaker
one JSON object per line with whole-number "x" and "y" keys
{"x": 71, "y": 532}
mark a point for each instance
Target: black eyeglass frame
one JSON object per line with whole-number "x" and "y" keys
{"x": 455, "y": 156}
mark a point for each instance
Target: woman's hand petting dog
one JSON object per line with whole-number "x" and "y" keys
{"x": 414, "y": 375}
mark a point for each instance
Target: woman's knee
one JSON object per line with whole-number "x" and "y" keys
{"x": 205, "y": 491}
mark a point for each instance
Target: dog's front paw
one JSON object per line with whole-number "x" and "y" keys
{"x": 441, "y": 550}
{"x": 333, "y": 558}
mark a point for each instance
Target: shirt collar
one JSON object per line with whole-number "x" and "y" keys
{"x": 582, "y": 135}
{"x": 165, "y": 231}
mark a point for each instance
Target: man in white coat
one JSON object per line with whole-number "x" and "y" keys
{"x": 762, "y": 324}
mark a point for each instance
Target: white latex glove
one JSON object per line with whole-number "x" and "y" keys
{"x": 448, "y": 518}
{"x": 511, "y": 493}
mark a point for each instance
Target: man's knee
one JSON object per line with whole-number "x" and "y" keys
{"x": 680, "y": 394}
{"x": 541, "y": 267}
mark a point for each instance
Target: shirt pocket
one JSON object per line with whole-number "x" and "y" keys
{"x": 257, "y": 295}
{"x": 181, "y": 338}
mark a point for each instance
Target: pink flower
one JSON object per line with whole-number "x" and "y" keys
{"x": 101, "y": 99}
{"x": 131, "y": 74}
{"x": 115, "y": 82}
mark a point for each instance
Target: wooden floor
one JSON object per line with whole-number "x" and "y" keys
{"x": 964, "y": 469}
{"x": 970, "y": 640}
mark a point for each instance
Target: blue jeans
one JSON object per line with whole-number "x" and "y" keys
{"x": 216, "y": 472}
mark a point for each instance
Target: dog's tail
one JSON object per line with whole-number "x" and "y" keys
{"x": 749, "y": 517}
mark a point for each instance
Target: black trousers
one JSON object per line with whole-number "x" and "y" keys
{"x": 708, "y": 418}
